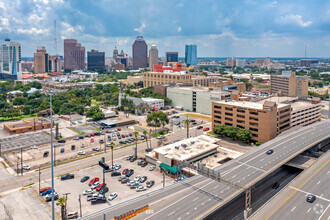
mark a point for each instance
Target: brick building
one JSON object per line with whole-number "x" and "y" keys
{"x": 25, "y": 125}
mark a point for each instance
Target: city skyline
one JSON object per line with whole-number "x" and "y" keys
{"x": 220, "y": 29}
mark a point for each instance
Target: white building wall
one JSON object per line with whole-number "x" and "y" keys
{"x": 180, "y": 97}
{"x": 203, "y": 103}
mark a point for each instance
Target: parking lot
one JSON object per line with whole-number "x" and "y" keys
{"x": 76, "y": 188}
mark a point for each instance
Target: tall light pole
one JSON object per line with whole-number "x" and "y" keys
{"x": 52, "y": 155}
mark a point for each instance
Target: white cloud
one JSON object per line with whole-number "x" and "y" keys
{"x": 140, "y": 29}
{"x": 4, "y": 21}
{"x": 273, "y": 4}
{"x": 69, "y": 31}
{"x": 2, "y": 6}
{"x": 33, "y": 31}
{"x": 34, "y": 19}
{"x": 179, "y": 29}
{"x": 293, "y": 20}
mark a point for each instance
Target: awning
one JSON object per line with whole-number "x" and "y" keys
{"x": 167, "y": 167}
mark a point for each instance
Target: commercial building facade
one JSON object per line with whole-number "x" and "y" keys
{"x": 191, "y": 55}
{"x": 26, "y": 125}
{"x": 64, "y": 87}
{"x": 140, "y": 53}
{"x": 10, "y": 60}
{"x": 309, "y": 62}
{"x": 41, "y": 60}
{"x": 160, "y": 78}
{"x": 74, "y": 55}
{"x": 171, "y": 57}
{"x": 203, "y": 81}
{"x": 96, "y": 61}
{"x": 153, "y": 56}
{"x": 288, "y": 84}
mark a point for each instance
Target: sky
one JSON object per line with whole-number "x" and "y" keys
{"x": 219, "y": 28}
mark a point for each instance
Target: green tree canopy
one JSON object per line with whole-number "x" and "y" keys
{"x": 157, "y": 119}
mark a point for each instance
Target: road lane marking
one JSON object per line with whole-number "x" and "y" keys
{"x": 195, "y": 199}
{"x": 323, "y": 213}
{"x": 234, "y": 176}
{"x": 309, "y": 210}
{"x": 251, "y": 166}
{"x": 293, "y": 209}
{"x": 171, "y": 213}
{"x": 187, "y": 213}
{"x": 195, "y": 208}
{"x": 320, "y": 197}
{"x": 297, "y": 190}
{"x": 216, "y": 187}
{"x": 318, "y": 182}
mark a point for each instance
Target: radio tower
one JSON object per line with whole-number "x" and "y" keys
{"x": 55, "y": 38}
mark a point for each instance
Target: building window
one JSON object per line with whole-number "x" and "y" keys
{"x": 217, "y": 112}
{"x": 216, "y": 116}
{"x": 229, "y": 124}
{"x": 254, "y": 129}
{"x": 216, "y": 121}
{"x": 241, "y": 111}
{"x": 254, "y": 113}
{"x": 229, "y": 119}
{"x": 254, "y": 135}
{"x": 253, "y": 124}
{"x": 218, "y": 107}
{"x": 240, "y": 126}
{"x": 229, "y": 109}
{"x": 240, "y": 116}
{"x": 230, "y": 114}
{"x": 253, "y": 118}
{"x": 240, "y": 121}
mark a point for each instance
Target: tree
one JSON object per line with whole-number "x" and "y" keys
{"x": 231, "y": 131}
{"x": 244, "y": 135}
{"x": 61, "y": 202}
{"x": 191, "y": 70}
{"x": 219, "y": 130}
{"x": 19, "y": 101}
{"x": 143, "y": 107}
{"x": 27, "y": 109}
{"x": 187, "y": 123}
{"x": 259, "y": 80}
{"x": 157, "y": 119}
{"x": 95, "y": 112}
{"x": 136, "y": 134}
{"x": 126, "y": 109}
{"x": 145, "y": 134}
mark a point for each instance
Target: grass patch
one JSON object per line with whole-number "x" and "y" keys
{"x": 198, "y": 116}
{"x": 4, "y": 164}
{"x": 28, "y": 185}
{"x": 77, "y": 131}
{"x": 159, "y": 134}
{"x": 19, "y": 117}
{"x": 98, "y": 129}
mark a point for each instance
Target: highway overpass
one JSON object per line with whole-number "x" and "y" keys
{"x": 201, "y": 198}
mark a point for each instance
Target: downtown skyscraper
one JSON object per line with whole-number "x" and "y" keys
{"x": 10, "y": 60}
{"x": 74, "y": 55}
{"x": 191, "y": 55}
{"x": 140, "y": 53}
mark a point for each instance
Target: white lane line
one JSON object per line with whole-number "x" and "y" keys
{"x": 321, "y": 194}
{"x": 187, "y": 213}
{"x": 309, "y": 210}
{"x": 203, "y": 203}
{"x": 323, "y": 213}
{"x": 171, "y": 213}
{"x": 195, "y": 199}
{"x": 209, "y": 199}
{"x": 320, "y": 197}
{"x": 261, "y": 159}
{"x": 318, "y": 182}
{"x": 179, "y": 200}
{"x": 216, "y": 187}
{"x": 293, "y": 209}
{"x": 252, "y": 166}
{"x": 234, "y": 176}
{"x": 195, "y": 208}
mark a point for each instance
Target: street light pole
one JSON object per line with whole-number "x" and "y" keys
{"x": 52, "y": 155}
{"x": 22, "y": 161}
{"x": 66, "y": 200}
{"x": 80, "y": 205}
{"x": 39, "y": 180}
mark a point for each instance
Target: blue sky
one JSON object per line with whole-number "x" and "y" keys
{"x": 220, "y": 28}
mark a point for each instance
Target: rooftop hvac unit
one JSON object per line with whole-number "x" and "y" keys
{"x": 177, "y": 147}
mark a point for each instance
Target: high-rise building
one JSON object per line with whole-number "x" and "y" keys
{"x": 309, "y": 62}
{"x": 153, "y": 56}
{"x": 96, "y": 61}
{"x": 10, "y": 60}
{"x": 140, "y": 53}
{"x": 74, "y": 55}
{"x": 191, "y": 55}
{"x": 115, "y": 53}
{"x": 171, "y": 57}
{"x": 55, "y": 63}
{"x": 240, "y": 63}
{"x": 41, "y": 60}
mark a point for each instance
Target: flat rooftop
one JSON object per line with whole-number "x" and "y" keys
{"x": 201, "y": 89}
{"x": 195, "y": 146}
{"x": 252, "y": 105}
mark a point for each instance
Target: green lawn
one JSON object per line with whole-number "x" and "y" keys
{"x": 19, "y": 117}
{"x": 77, "y": 131}
{"x": 158, "y": 134}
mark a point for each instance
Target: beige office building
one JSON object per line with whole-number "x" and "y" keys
{"x": 161, "y": 78}
{"x": 41, "y": 60}
{"x": 288, "y": 84}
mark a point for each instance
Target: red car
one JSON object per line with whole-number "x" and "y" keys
{"x": 206, "y": 129}
{"x": 92, "y": 140}
{"x": 45, "y": 189}
{"x": 93, "y": 181}
{"x": 119, "y": 129}
{"x": 123, "y": 136}
{"x": 92, "y": 135}
{"x": 124, "y": 171}
{"x": 101, "y": 186}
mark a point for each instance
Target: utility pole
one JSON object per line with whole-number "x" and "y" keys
{"x": 22, "y": 161}
{"x": 111, "y": 155}
{"x": 39, "y": 179}
{"x": 52, "y": 156}
{"x": 163, "y": 179}
{"x": 0, "y": 150}
{"x": 80, "y": 205}
{"x": 17, "y": 168}
{"x": 105, "y": 147}
{"x": 66, "y": 200}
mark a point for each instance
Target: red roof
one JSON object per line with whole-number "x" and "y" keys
{"x": 27, "y": 76}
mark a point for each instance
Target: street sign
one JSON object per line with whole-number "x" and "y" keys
{"x": 104, "y": 165}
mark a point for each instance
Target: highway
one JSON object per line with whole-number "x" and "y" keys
{"x": 291, "y": 202}
{"x": 198, "y": 197}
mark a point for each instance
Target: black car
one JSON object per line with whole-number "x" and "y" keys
{"x": 73, "y": 147}
{"x": 121, "y": 178}
{"x": 88, "y": 135}
{"x": 98, "y": 200}
{"x": 97, "y": 133}
{"x": 140, "y": 162}
{"x": 128, "y": 158}
{"x": 144, "y": 164}
{"x": 199, "y": 127}
{"x": 61, "y": 141}
{"x": 150, "y": 183}
{"x": 276, "y": 185}
{"x": 46, "y": 153}
{"x": 81, "y": 137}
{"x": 143, "y": 179}
{"x": 67, "y": 176}
{"x": 101, "y": 141}
{"x": 132, "y": 159}
{"x": 115, "y": 174}
{"x": 104, "y": 190}
{"x": 125, "y": 180}
{"x": 310, "y": 198}
{"x": 84, "y": 179}
{"x": 269, "y": 152}
{"x": 130, "y": 173}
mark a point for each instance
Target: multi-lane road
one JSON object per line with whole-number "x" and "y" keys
{"x": 291, "y": 202}
{"x": 200, "y": 197}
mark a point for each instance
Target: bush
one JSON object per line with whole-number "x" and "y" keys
{"x": 258, "y": 143}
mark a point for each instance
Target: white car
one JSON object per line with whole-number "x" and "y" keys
{"x": 26, "y": 167}
{"x": 116, "y": 166}
{"x": 96, "y": 184}
{"x": 82, "y": 145}
{"x": 137, "y": 178}
{"x": 141, "y": 188}
{"x": 130, "y": 183}
{"x": 81, "y": 153}
{"x": 151, "y": 168}
{"x": 34, "y": 147}
{"x": 160, "y": 137}
{"x": 88, "y": 192}
{"x": 112, "y": 196}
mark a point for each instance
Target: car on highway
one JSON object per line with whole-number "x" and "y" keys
{"x": 276, "y": 185}
{"x": 81, "y": 153}
{"x": 150, "y": 183}
{"x": 151, "y": 168}
{"x": 143, "y": 179}
{"x": 269, "y": 152}
{"x": 141, "y": 188}
{"x": 94, "y": 180}
{"x": 88, "y": 192}
{"x": 34, "y": 147}
{"x": 72, "y": 215}
{"x": 26, "y": 167}
{"x": 48, "y": 197}
{"x": 124, "y": 171}
{"x": 310, "y": 198}
{"x": 96, "y": 149}
{"x": 84, "y": 179}
{"x": 44, "y": 189}
{"x": 206, "y": 129}
{"x": 112, "y": 196}
{"x": 115, "y": 174}
{"x": 67, "y": 176}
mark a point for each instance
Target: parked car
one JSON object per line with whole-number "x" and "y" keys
{"x": 116, "y": 166}
{"x": 81, "y": 137}
{"x": 150, "y": 183}
{"x": 76, "y": 138}
{"x": 124, "y": 171}
{"x": 104, "y": 190}
{"x": 67, "y": 176}
{"x": 88, "y": 192}
{"x": 118, "y": 129}
{"x": 112, "y": 196}
{"x": 141, "y": 188}
{"x": 130, "y": 173}
{"x": 160, "y": 137}
{"x": 82, "y": 145}
{"x": 48, "y": 197}
{"x": 99, "y": 187}
{"x": 135, "y": 185}
{"x": 123, "y": 136}
{"x": 94, "y": 180}
{"x": 99, "y": 200}
{"x": 92, "y": 140}
{"x": 128, "y": 158}
{"x": 199, "y": 127}
{"x": 122, "y": 142}
{"x": 115, "y": 174}
{"x": 145, "y": 163}
{"x": 87, "y": 135}
{"x": 101, "y": 141}
{"x": 96, "y": 149}
{"x": 81, "y": 153}
{"x": 62, "y": 150}
{"x": 95, "y": 195}
{"x": 121, "y": 178}
{"x": 73, "y": 147}
{"x": 72, "y": 215}
{"x": 151, "y": 168}
{"x": 125, "y": 180}
{"x": 49, "y": 191}
{"x": 34, "y": 147}
{"x": 132, "y": 159}
{"x": 206, "y": 129}
{"x": 137, "y": 178}
{"x": 44, "y": 189}
{"x": 143, "y": 179}
{"x": 26, "y": 167}
{"x": 61, "y": 141}
{"x": 96, "y": 184}
{"x": 84, "y": 179}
